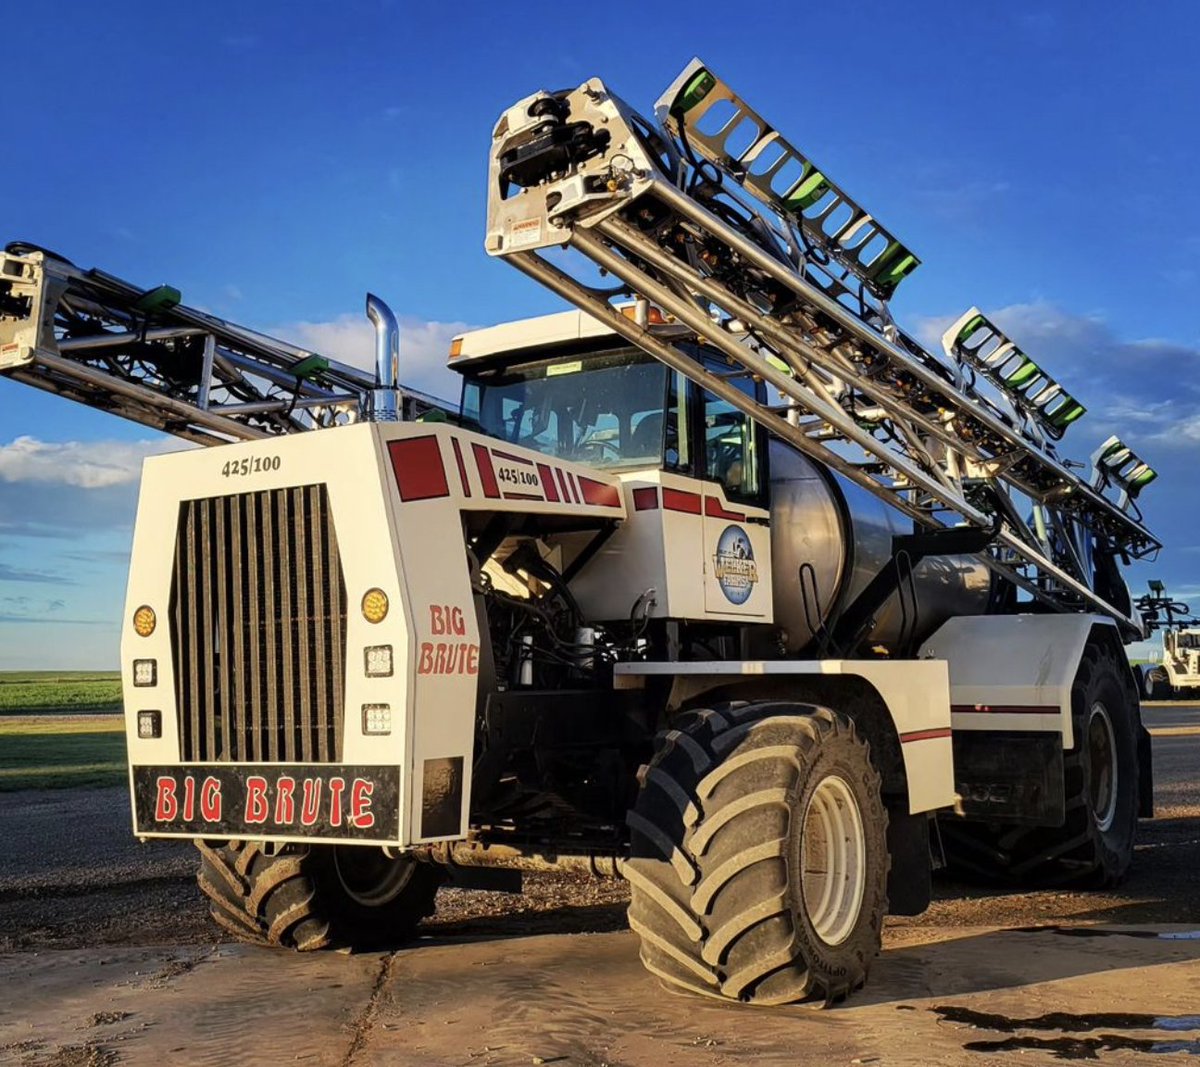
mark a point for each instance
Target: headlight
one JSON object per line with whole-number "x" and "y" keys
{"x": 144, "y": 621}
{"x": 149, "y": 724}
{"x": 145, "y": 672}
{"x": 377, "y": 718}
{"x": 378, "y": 661}
{"x": 375, "y": 605}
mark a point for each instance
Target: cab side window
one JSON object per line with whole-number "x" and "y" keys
{"x": 732, "y": 441}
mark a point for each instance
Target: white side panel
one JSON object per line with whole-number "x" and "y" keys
{"x": 706, "y": 558}
{"x": 917, "y": 694}
{"x": 432, "y": 473}
{"x": 444, "y": 669}
{"x": 631, "y": 561}
{"x": 1013, "y": 672}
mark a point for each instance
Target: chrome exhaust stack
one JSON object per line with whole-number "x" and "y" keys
{"x": 385, "y": 401}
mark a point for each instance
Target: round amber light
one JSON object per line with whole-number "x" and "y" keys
{"x": 144, "y": 621}
{"x": 375, "y": 605}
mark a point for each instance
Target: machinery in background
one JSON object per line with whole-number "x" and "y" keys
{"x": 1174, "y": 670}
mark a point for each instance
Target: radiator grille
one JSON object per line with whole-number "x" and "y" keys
{"x": 258, "y": 617}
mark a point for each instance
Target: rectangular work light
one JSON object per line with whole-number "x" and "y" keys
{"x": 376, "y": 719}
{"x": 377, "y": 661}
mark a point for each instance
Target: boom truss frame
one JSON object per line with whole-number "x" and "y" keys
{"x": 141, "y": 354}
{"x": 804, "y": 310}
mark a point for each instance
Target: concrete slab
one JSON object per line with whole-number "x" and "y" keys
{"x": 232, "y": 1004}
{"x": 584, "y": 1000}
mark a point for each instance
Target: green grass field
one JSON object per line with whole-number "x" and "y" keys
{"x": 52, "y": 752}
{"x": 41, "y": 691}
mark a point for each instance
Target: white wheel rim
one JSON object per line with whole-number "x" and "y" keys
{"x": 833, "y": 860}
{"x": 1102, "y": 766}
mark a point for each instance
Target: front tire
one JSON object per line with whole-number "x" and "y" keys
{"x": 759, "y": 862}
{"x": 309, "y": 897}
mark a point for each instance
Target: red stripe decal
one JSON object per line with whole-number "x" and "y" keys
{"x": 924, "y": 735}
{"x": 462, "y": 467}
{"x": 508, "y": 455}
{"x": 487, "y": 473}
{"x": 598, "y": 494}
{"x": 417, "y": 464}
{"x": 573, "y": 485}
{"x": 523, "y": 496}
{"x": 713, "y": 508}
{"x": 645, "y": 499}
{"x": 547, "y": 477}
{"x": 562, "y": 484}
{"x": 678, "y": 500}
{"x": 1005, "y": 709}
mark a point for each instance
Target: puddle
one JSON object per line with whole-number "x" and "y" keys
{"x": 1084, "y": 1048}
{"x": 1069, "y": 1024}
{"x": 1068, "y": 1021}
{"x": 1095, "y": 931}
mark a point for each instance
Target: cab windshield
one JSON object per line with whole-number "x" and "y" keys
{"x": 602, "y": 410}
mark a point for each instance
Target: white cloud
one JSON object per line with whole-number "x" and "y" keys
{"x": 959, "y": 201}
{"x": 1146, "y": 390}
{"x": 9, "y": 573}
{"x": 83, "y": 464}
{"x": 424, "y": 348}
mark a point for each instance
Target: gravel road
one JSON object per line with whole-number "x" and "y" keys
{"x": 71, "y": 875}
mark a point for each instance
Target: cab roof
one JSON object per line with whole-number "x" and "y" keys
{"x": 524, "y": 334}
{"x": 570, "y": 330}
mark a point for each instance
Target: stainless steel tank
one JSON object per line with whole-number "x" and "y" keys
{"x": 841, "y": 536}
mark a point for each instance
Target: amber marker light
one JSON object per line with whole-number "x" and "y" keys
{"x": 144, "y": 621}
{"x": 375, "y": 605}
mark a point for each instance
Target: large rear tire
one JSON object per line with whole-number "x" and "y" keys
{"x": 309, "y": 897}
{"x": 1094, "y": 846}
{"x": 759, "y": 861}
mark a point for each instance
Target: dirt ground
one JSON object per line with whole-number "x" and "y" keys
{"x": 107, "y": 957}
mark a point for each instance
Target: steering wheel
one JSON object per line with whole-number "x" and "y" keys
{"x": 594, "y": 449}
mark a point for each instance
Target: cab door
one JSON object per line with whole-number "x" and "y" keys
{"x": 731, "y": 454}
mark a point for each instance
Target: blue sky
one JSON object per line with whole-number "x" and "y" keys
{"x": 274, "y": 161}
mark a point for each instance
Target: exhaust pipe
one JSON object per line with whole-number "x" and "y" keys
{"x": 385, "y": 402}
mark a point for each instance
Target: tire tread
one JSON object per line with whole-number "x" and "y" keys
{"x": 709, "y": 873}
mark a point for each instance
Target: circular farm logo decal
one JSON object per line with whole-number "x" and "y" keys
{"x": 734, "y": 564}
